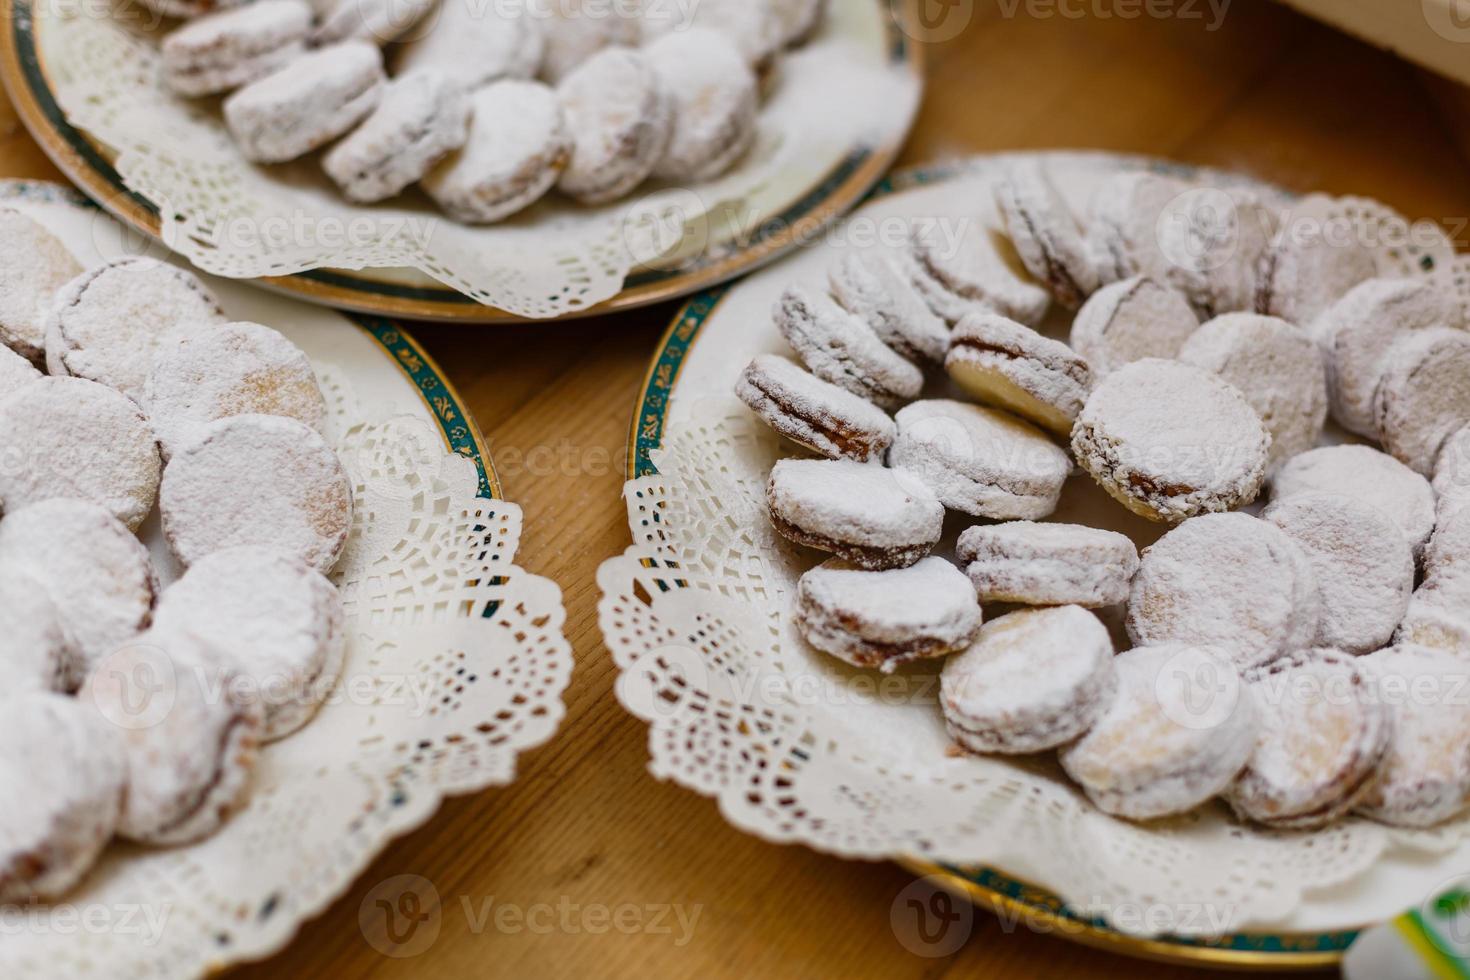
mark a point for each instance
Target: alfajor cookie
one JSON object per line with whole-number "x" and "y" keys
{"x": 1308, "y": 267}
{"x": 886, "y": 618}
{"x": 620, "y": 116}
{"x": 473, "y": 45}
{"x": 1213, "y": 241}
{"x": 753, "y": 26}
{"x": 422, "y": 117}
{"x": 1423, "y": 395}
{"x": 1438, "y": 616}
{"x": 1003, "y": 363}
{"x": 190, "y": 8}
{"x": 815, "y": 413}
{"x": 838, "y": 347}
{"x": 35, "y": 647}
{"x": 873, "y": 517}
{"x": 575, "y": 30}
{"x": 977, "y": 271}
{"x": 34, "y": 264}
{"x": 876, "y": 288}
{"x": 980, "y": 461}
{"x": 1046, "y": 234}
{"x": 1123, "y": 224}
{"x": 371, "y": 21}
{"x": 1452, "y": 472}
{"x": 1048, "y": 564}
{"x": 15, "y": 371}
{"x": 1367, "y": 475}
{"x": 715, "y": 100}
{"x": 1130, "y": 320}
{"x": 1033, "y": 680}
{"x": 220, "y": 52}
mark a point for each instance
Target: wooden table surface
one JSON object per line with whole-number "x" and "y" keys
{"x": 584, "y": 829}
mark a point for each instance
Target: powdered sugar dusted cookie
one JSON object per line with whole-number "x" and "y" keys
{"x": 33, "y": 266}
{"x": 1034, "y": 680}
{"x": 1004, "y": 363}
{"x": 65, "y": 437}
{"x": 1046, "y": 233}
{"x": 1123, "y": 224}
{"x": 1048, "y": 564}
{"x": 815, "y": 413}
{"x": 276, "y": 619}
{"x": 876, "y": 288}
{"x": 715, "y": 98}
{"x": 371, "y": 21}
{"x": 222, "y": 51}
{"x": 105, "y": 325}
{"x": 887, "y": 618}
{"x": 577, "y": 29}
{"x": 753, "y": 26}
{"x": 1365, "y": 474}
{"x": 1308, "y": 268}
{"x": 838, "y": 347}
{"x": 35, "y": 648}
{"x": 257, "y": 480}
{"x": 190, "y": 8}
{"x": 94, "y": 571}
{"x": 1213, "y": 241}
{"x": 1130, "y": 320}
{"x": 1363, "y": 565}
{"x": 1439, "y": 613}
{"x": 1169, "y": 441}
{"x": 1423, "y": 396}
{"x": 308, "y": 103}
{"x": 1425, "y": 777}
{"x": 1449, "y": 546}
{"x": 872, "y": 517}
{"x": 1278, "y": 369}
{"x": 423, "y": 116}
{"x": 1229, "y": 581}
{"x": 1452, "y": 472}
{"x": 799, "y": 19}
{"x": 474, "y": 45}
{"x": 15, "y": 371}
{"x": 980, "y": 461}
{"x": 977, "y": 271}
{"x": 517, "y": 148}
{"x": 65, "y": 776}
{"x": 1323, "y": 735}
{"x": 1178, "y": 731}
{"x": 620, "y": 117}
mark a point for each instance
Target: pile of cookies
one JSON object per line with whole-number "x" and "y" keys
{"x": 134, "y": 711}
{"x": 1302, "y": 662}
{"x": 488, "y": 109}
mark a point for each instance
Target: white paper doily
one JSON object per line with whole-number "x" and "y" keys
{"x": 797, "y": 747}
{"x": 456, "y": 663}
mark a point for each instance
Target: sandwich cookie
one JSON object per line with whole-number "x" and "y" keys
{"x": 715, "y": 101}
{"x": 422, "y": 117}
{"x": 1012, "y": 366}
{"x": 1306, "y": 269}
{"x": 872, "y": 517}
{"x": 184, "y": 9}
{"x": 838, "y": 347}
{"x": 308, "y": 103}
{"x": 222, "y": 51}
{"x": 1423, "y": 396}
{"x": 1214, "y": 241}
{"x": 1047, "y": 235}
{"x": 1123, "y": 224}
{"x": 753, "y": 26}
{"x": 1367, "y": 475}
{"x": 475, "y": 45}
{"x": 620, "y": 117}
{"x": 34, "y": 265}
{"x": 1439, "y": 614}
{"x": 876, "y": 288}
{"x": 575, "y": 30}
{"x": 1048, "y": 564}
{"x": 814, "y": 413}
{"x": 1130, "y": 320}
{"x": 35, "y": 648}
{"x": 372, "y": 21}
{"x": 1452, "y": 472}
{"x": 978, "y": 272}
{"x": 15, "y": 371}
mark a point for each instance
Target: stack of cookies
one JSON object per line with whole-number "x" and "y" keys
{"x": 137, "y": 711}
{"x": 488, "y": 110}
{"x": 1213, "y": 334}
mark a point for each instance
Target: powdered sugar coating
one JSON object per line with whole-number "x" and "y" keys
{"x": 1046, "y": 233}
{"x": 1308, "y": 268}
{"x": 1452, "y": 472}
{"x": 1229, "y": 581}
{"x": 1130, "y": 320}
{"x": 838, "y": 347}
{"x": 980, "y": 461}
{"x": 1276, "y": 366}
{"x": 308, "y": 103}
{"x": 1033, "y": 680}
{"x": 753, "y": 26}
{"x": 474, "y": 45}
{"x": 35, "y": 648}
{"x": 34, "y": 264}
{"x": 799, "y": 19}
{"x": 1449, "y": 546}
{"x": 422, "y": 117}
{"x": 1012, "y": 366}
{"x": 715, "y": 99}
{"x": 257, "y": 480}
{"x": 1365, "y": 474}
{"x": 979, "y": 272}
{"x": 875, "y": 287}
{"x": 1177, "y": 732}
{"x": 620, "y": 116}
{"x": 15, "y": 371}
{"x": 222, "y": 51}
{"x": 1213, "y": 240}
{"x": 1048, "y": 564}
{"x": 65, "y": 775}
{"x": 1439, "y": 613}
{"x": 575, "y": 30}
{"x": 887, "y": 618}
{"x": 1169, "y": 441}
{"x": 815, "y": 413}
{"x": 240, "y": 368}
{"x": 94, "y": 571}
{"x": 1122, "y": 225}
{"x": 370, "y": 21}
{"x": 873, "y": 517}
{"x": 65, "y": 437}
{"x": 106, "y": 324}
{"x": 190, "y": 8}
{"x": 1423, "y": 396}
{"x": 1323, "y": 735}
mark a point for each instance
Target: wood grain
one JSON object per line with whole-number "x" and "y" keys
{"x": 1270, "y": 93}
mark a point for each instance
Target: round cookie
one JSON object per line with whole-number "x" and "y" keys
{"x": 422, "y": 117}
{"x": 474, "y": 46}
{"x": 96, "y": 574}
{"x": 306, "y": 104}
{"x": 865, "y": 514}
{"x": 15, "y": 371}
{"x": 1308, "y": 268}
{"x": 517, "y": 148}
{"x": 1228, "y": 581}
{"x": 875, "y": 288}
{"x": 257, "y": 480}
{"x": 979, "y": 272}
{"x": 1169, "y": 441}
{"x": 1452, "y": 472}
{"x": 620, "y": 117}
{"x": 1439, "y": 613}
{"x": 1048, "y": 564}
{"x": 1178, "y": 731}
{"x": 372, "y": 21}
{"x": 188, "y": 730}
{"x": 222, "y": 51}
{"x": 65, "y": 776}
{"x": 1012, "y": 366}
{"x": 184, "y": 9}
{"x": 241, "y": 368}
{"x": 35, "y": 648}
{"x": 65, "y": 437}
{"x": 838, "y": 347}
{"x": 814, "y": 413}
{"x": 1424, "y": 779}
{"x": 577, "y": 29}
{"x": 1323, "y": 735}
{"x": 887, "y": 618}
{"x": 1213, "y": 240}
{"x": 1033, "y": 680}
{"x": 753, "y": 26}
{"x": 34, "y": 264}
{"x": 1046, "y": 233}
{"x": 1276, "y": 366}
{"x": 1130, "y": 320}
{"x": 715, "y": 101}
{"x": 1365, "y": 474}
{"x": 1423, "y": 396}
{"x": 980, "y": 461}
{"x": 106, "y": 324}
{"x": 1123, "y": 224}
